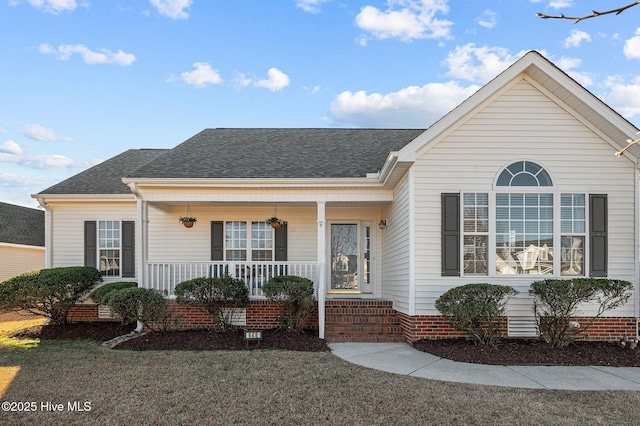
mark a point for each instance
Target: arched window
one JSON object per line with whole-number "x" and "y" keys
{"x": 524, "y": 173}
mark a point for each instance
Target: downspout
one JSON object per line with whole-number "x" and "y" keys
{"x": 321, "y": 268}
{"x": 48, "y": 233}
{"x": 141, "y": 235}
{"x": 637, "y": 253}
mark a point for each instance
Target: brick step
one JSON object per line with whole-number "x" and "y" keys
{"x": 362, "y": 321}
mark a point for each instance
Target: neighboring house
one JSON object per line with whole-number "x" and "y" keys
{"x": 21, "y": 240}
{"x": 518, "y": 183}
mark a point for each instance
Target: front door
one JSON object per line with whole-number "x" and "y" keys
{"x": 350, "y": 256}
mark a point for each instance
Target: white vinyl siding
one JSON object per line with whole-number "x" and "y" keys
{"x": 522, "y": 123}
{"x": 396, "y": 249}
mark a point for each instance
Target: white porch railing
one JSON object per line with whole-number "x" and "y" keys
{"x": 163, "y": 276}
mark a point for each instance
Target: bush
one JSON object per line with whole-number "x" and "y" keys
{"x": 52, "y": 292}
{"x": 99, "y": 294}
{"x": 223, "y": 297}
{"x": 295, "y": 295}
{"x": 141, "y": 304}
{"x": 476, "y": 309}
{"x": 556, "y": 304}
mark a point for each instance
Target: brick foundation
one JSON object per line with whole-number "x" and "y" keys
{"x": 357, "y": 320}
{"x": 437, "y": 327}
{"x": 86, "y": 312}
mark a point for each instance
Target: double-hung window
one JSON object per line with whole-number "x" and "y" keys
{"x": 109, "y": 247}
{"x": 241, "y": 245}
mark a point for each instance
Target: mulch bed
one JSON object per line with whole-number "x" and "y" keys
{"x": 508, "y": 352}
{"x": 98, "y": 331}
{"x": 196, "y": 340}
{"x": 533, "y": 352}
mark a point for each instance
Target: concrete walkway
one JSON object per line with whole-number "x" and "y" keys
{"x": 401, "y": 358}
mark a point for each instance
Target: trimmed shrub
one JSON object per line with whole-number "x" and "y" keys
{"x": 52, "y": 292}
{"x": 295, "y": 295}
{"x": 556, "y": 304}
{"x": 99, "y": 294}
{"x": 223, "y": 297}
{"x": 476, "y": 309}
{"x": 141, "y": 304}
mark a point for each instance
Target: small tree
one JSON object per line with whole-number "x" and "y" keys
{"x": 556, "y": 303}
{"x": 476, "y": 309}
{"x": 140, "y": 304}
{"x": 295, "y": 295}
{"x": 52, "y": 292}
{"x": 223, "y": 297}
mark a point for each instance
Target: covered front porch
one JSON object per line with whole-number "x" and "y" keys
{"x": 333, "y": 238}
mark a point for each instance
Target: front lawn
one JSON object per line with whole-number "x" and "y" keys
{"x": 266, "y": 387}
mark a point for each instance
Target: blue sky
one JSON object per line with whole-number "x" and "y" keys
{"x": 83, "y": 80}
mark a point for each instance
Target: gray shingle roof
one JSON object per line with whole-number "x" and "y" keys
{"x": 21, "y": 225}
{"x": 279, "y": 153}
{"x": 106, "y": 177}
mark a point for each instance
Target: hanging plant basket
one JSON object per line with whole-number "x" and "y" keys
{"x": 187, "y": 221}
{"x": 275, "y": 222}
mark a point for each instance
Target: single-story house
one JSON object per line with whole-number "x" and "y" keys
{"x": 518, "y": 183}
{"x": 21, "y": 240}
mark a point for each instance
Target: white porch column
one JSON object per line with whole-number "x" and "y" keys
{"x": 142, "y": 222}
{"x": 322, "y": 250}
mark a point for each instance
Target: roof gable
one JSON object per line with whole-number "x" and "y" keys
{"x": 278, "y": 153}
{"x": 21, "y": 225}
{"x": 566, "y": 91}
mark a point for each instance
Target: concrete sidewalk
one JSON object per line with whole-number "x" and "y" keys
{"x": 401, "y": 358}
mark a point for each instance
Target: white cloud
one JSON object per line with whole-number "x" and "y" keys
{"x": 312, "y": 6}
{"x": 174, "y": 9}
{"x": 406, "y": 20}
{"x": 40, "y": 133}
{"x": 478, "y": 64}
{"x": 277, "y": 80}
{"x": 623, "y": 97}
{"x": 10, "y": 147}
{"x": 103, "y": 56}
{"x": 411, "y": 107}
{"x": 488, "y": 19}
{"x": 54, "y": 161}
{"x": 201, "y": 76}
{"x": 576, "y": 37}
{"x": 560, "y": 4}
{"x": 54, "y": 6}
{"x": 568, "y": 65}
{"x": 632, "y": 46}
{"x": 241, "y": 80}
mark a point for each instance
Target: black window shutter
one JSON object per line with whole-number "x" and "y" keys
{"x": 598, "y": 246}
{"x": 450, "y": 234}
{"x": 217, "y": 240}
{"x": 128, "y": 249}
{"x": 281, "y": 243}
{"x": 90, "y": 236}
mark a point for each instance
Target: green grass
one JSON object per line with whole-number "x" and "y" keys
{"x": 271, "y": 387}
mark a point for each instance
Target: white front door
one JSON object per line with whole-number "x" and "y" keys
{"x": 350, "y": 258}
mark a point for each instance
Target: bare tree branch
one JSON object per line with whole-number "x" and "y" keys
{"x": 595, "y": 13}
